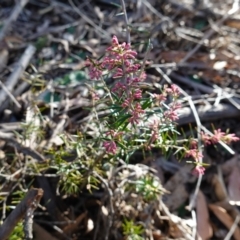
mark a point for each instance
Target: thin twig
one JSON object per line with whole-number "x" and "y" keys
{"x": 149, "y": 48}
{"x": 9, "y": 138}
{"x": 233, "y": 10}
{"x": 10, "y": 95}
{"x": 15, "y": 13}
{"x": 99, "y": 31}
{"x": 110, "y": 195}
{"x": 208, "y": 113}
{"x": 17, "y": 72}
{"x": 232, "y": 229}
{"x": 194, "y": 229}
{"x": 71, "y": 228}
{"x": 126, "y": 21}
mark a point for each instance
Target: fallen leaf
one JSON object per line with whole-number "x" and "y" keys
{"x": 3, "y": 57}
{"x": 40, "y": 233}
{"x": 204, "y": 228}
{"x": 224, "y": 217}
{"x": 229, "y": 165}
{"x": 176, "y": 185}
{"x": 234, "y": 185}
{"x": 219, "y": 188}
{"x": 233, "y": 23}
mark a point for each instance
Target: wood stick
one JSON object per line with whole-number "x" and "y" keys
{"x": 9, "y": 138}
{"x": 17, "y": 72}
{"x": 30, "y": 201}
{"x": 208, "y": 113}
{"x": 13, "y": 17}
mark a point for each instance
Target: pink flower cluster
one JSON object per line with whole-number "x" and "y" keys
{"x": 120, "y": 62}
{"x": 197, "y": 156}
{"x": 218, "y": 136}
{"x": 154, "y": 126}
{"x": 111, "y": 146}
{"x": 95, "y": 69}
{"x": 170, "y": 115}
{"x": 207, "y": 140}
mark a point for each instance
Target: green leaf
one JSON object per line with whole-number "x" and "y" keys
{"x": 41, "y": 43}
{"x": 146, "y": 104}
{"x": 121, "y": 120}
{"x": 72, "y": 78}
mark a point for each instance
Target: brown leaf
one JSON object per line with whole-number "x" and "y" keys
{"x": 234, "y": 185}
{"x": 204, "y": 228}
{"x": 3, "y": 58}
{"x": 229, "y": 165}
{"x": 219, "y": 188}
{"x": 176, "y": 185}
{"x": 233, "y": 23}
{"x": 41, "y": 233}
{"x": 224, "y": 217}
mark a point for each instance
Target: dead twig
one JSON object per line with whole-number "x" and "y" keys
{"x": 233, "y": 10}
{"x": 15, "y": 13}
{"x": 17, "y": 72}
{"x": 208, "y": 113}
{"x": 233, "y": 228}
{"x": 10, "y": 95}
{"x": 75, "y": 225}
{"x": 9, "y": 138}
{"x": 111, "y": 208}
{"x": 30, "y": 202}
{"x": 126, "y": 21}
{"x": 99, "y": 30}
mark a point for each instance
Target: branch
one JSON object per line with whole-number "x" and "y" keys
{"x": 17, "y": 10}
{"x": 126, "y": 21}
{"x": 17, "y": 72}
{"x": 29, "y": 202}
{"x": 9, "y": 138}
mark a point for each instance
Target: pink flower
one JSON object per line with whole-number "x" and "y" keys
{"x": 114, "y": 134}
{"x": 129, "y": 54}
{"x": 154, "y": 136}
{"x": 175, "y": 106}
{"x": 174, "y": 90}
{"x": 126, "y": 103}
{"x": 110, "y": 147}
{"x": 160, "y": 97}
{"x": 221, "y": 136}
{"x": 198, "y": 170}
{"x": 193, "y": 143}
{"x": 171, "y": 115}
{"x": 137, "y": 94}
{"x": 95, "y": 96}
{"x": 230, "y": 138}
{"x": 119, "y": 89}
{"x": 95, "y": 71}
{"x": 218, "y": 135}
{"x": 133, "y": 68}
{"x": 136, "y": 112}
{"x": 142, "y": 76}
{"x": 195, "y": 154}
{"x": 118, "y": 73}
{"x": 115, "y": 41}
{"x": 205, "y": 138}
